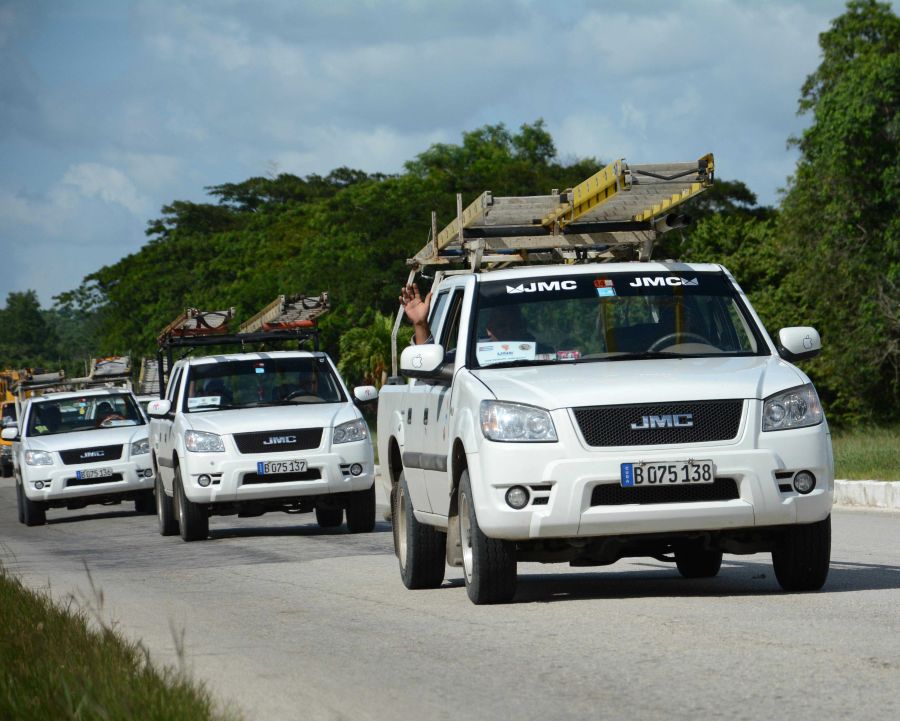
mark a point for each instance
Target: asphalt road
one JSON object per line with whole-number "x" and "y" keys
{"x": 285, "y": 621}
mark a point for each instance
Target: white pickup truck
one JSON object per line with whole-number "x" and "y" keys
{"x": 248, "y": 433}
{"x": 592, "y": 412}
{"x": 71, "y": 449}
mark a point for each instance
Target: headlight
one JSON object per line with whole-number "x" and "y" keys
{"x": 350, "y": 431}
{"x": 795, "y": 408}
{"x": 38, "y": 458}
{"x": 141, "y": 447}
{"x": 201, "y": 442}
{"x": 516, "y": 422}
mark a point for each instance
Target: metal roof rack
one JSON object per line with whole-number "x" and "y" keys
{"x": 616, "y": 214}
{"x": 287, "y": 318}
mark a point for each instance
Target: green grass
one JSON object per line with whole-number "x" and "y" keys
{"x": 56, "y": 663}
{"x": 867, "y": 453}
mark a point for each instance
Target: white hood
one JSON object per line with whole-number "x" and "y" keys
{"x": 641, "y": 381}
{"x": 89, "y": 439}
{"x": 271, "y": 418}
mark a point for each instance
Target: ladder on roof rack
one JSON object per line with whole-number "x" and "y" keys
{"x": 616, "y": 212}
{"x": 287, "y": 318}
{"x": 148, "y": 380}
{"x": 287, "y": 312}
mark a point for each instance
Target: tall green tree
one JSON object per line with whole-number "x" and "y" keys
{"x": 840, "y": 219}
{"x": 26, "y": 338}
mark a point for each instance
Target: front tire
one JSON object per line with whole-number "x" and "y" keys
{"x": 329, "y": 517}
{"x": 165, "y": 511}
{"x": 696, "y": 562}
{"x": 802, "y": 556}
{"x": 489, "y": 564}
{"x": 34, "y": 513}
{"x": 193, "y": 519}
{"x": 361, "y": 510}
{"x": 20, "y": 504}
{"x": 145, "y": 503}
{"x": 421, "y": 549}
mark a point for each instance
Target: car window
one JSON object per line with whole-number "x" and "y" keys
{"x": 611, "y": 316}
{"x": 263, "y": 381}
{"x": 85, "y": 413}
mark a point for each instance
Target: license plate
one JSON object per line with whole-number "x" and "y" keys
{"x": 667, "y": 473}
{"x": 93, "y": 473}
{"x": 271, "y": 468}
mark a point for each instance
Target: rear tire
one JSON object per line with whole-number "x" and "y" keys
{"x": 361, "y": 510}
{"x": 193, "y": 519}
{"x": 165, "y": 511}
{"x": 6, "y": 470}
{"x": 34, "y": 513}
{"x": 802, "y": 556}
{"x": 421, "y": 549}
{"x": 329, "y": 517}
{"x": 696, "y": 562}
{"x": 489, "y": 564}
{"x": 145, "y": 503}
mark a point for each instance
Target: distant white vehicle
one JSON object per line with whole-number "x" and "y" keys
{"x": 250, "y": 433}
{"x": 71, "y": 449}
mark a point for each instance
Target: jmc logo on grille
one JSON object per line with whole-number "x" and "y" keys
{"x": 93, "y": 454}
{"x": 667, "y": 420}
{"x": 278, "y": 440}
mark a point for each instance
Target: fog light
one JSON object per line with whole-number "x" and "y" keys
{"x": 517, "y": 497}
{"x": 39, "y": 484}
{"x": 147, "y": 473}
{"x": 804, "y": 482}
{"x": 204, "y": 480}
{"x": 356, "y": 469}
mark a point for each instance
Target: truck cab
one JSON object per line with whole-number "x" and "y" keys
{"x": 249, "y": 433}
{"x": 75, "y": 448}
{"x": 585, "y": 412}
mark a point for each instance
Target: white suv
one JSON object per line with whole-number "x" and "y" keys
{"x": 587, "y": 413}
{"x": 77, "y": 448}
{"x": 248, "y": 433}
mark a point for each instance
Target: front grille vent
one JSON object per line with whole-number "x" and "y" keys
{"x": 97, "y": 454}
{"x": 295, "y": 439}
{"x": 612, "y": 494}
{"x": 651, "y": 424}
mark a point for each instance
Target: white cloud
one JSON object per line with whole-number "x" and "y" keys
{"x": 94, "y": 180}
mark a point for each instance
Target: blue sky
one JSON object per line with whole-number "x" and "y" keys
{"x": 110, "y": 109}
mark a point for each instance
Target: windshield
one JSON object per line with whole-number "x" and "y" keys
{"x": 265, "y": 381}
{"x": 88, "y": 413}
{"x": 611, "y": 316}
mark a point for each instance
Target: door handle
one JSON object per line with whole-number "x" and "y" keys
{"x": 425, "y": 417}
{"x": 409, "y": 415}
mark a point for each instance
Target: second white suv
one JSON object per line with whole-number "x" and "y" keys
{"x": 249, "y": 433}
{"x": 71, "y": 449}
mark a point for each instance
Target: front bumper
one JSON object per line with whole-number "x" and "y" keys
{"x": 61, "y": 483}
{"x": 234, "y": 479}
{"x": 562, "y": 476}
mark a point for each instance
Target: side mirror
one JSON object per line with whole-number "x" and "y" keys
{"x": 365, "y": 394}
{"x": 159, "y": 409}
{"x": 425, "y": 361}
{"x": 10, "y": 433}
{"x": 799, "y": 343}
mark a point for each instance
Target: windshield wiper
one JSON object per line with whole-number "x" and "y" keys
{"x": 213, "y": 407}
{"x": 647, "y": 355}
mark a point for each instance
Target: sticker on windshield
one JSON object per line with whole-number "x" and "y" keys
{"x": 203, "y": 401}
{"x": 568, "y": 355}
{"x": 488, "y": 353}
{"x": 605, "y": 287}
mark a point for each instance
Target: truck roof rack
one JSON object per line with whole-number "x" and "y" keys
{"x": 615, "y": 214}
{"x": 288, "y": 312}
{"x": 287, "y": 318}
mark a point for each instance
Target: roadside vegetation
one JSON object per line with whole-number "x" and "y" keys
{"x": 57, "y": 663}
{"x": 867, "y": 453}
